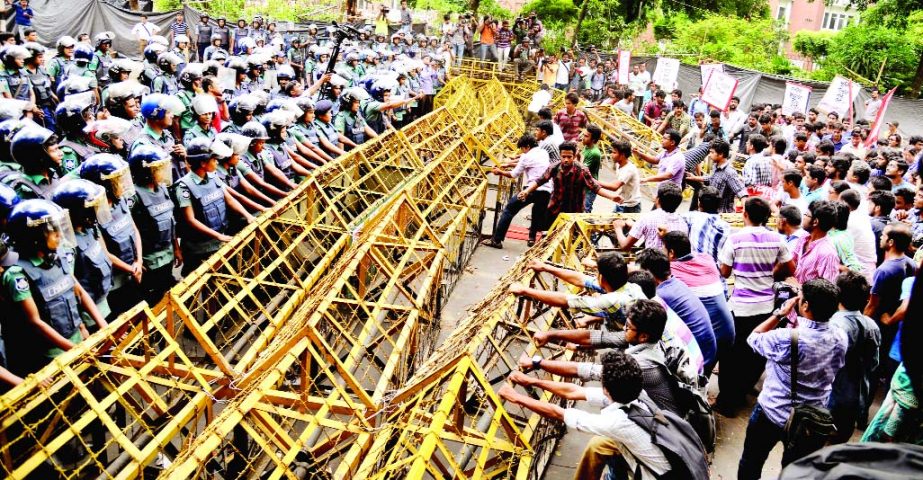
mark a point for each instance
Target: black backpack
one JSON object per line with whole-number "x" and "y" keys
{"x": 674, "y": 436}
{"x": 691, "y": 400}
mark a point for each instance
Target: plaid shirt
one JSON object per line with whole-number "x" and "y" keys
{"x": 570, "y": 185}
{"x": 758, "y": 170}
{"x": 729, "y": 186}
{"x": 570, "y": 124}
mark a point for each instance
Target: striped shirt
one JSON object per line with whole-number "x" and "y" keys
{"x": 178, "y": 28}
{"x": 611, "y": 305}
{"x": 817, "y": 259}
{"x": 757, "y": 170}
{"x": 707, "y": 232}
{"x": 647, "y": 227}
{"x": 752, "y": 253}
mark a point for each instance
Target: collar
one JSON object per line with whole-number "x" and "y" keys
{"x": 37, "y": 178}
{"x": 812, "y": 325}
{"x": 36, "y": 261}
{"x": 153, "y": 134}
{"x": 200, "y": 180}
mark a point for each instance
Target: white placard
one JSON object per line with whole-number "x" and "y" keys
{"x": 624, "y": 66}
{"x": 796, "y": 98}
{"x": 707, "y": 68}
{"x": 837, "y": 98}
{"x": 719, "y": 88}
{"x": 666, "y": 73}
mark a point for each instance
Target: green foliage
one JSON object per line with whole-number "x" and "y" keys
{"x": 813, "y": 45}
{"x": 752, "y": 43}
{"x": 553, "y": 11}
{"x": 668, "y": 26}
{"x": 862, "y": 48}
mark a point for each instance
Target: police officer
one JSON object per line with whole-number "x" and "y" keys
{"x": 240, "y": 109}
{"x": 296, "y": 58}
{"x": 165, "y": 81}
{"x": 8, "y": 258}
{"x": 63, "y": 59}
{"x": 331, "y": 140}
{"x": 215, "y": 49}
{"x": 150, "y": 70}
{"x": 8, "y": 129}
{"x": 240, "y": 31}
{"x": 235, "y": 179}
{"x": 158, "y": 111}
{"x": 224, "y": 33}
{"x": 204, "y": 108}
{"x": 152, "y": 208}
{"x": 350, "y": 123}
{"x": 293, "y": 166}
{"x": 102, "y": 58}
{"x": 202, "y": 201}
{"x": 71, "y": 117}
{"x": 123, "y": 241}
{"x": 260, "y": 162}
{"x": 43, "y": 293}
{"x": 305, "y": 131}
{"x": 83, "y": 55}
{"x": 88, "y": 207}
{"x": 203, "y": 33}
{"x": 190, "y": 82}
{"x": 14, "y": 80}
{"x": 108, "y": 135}
{"x": 255, "y": 70}
{"x": 45, "y": 98}
{"x": 241, "y": 80}
{"x": 36, "y": 149}
{"x": 377, "y": 109}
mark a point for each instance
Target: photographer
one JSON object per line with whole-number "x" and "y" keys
{"x": 459, "y": 35}
{"x": 487, "y": 30}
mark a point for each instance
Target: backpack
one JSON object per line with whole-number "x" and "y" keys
{"x": 689, "y": 394}
{"x": 676, "y": 439}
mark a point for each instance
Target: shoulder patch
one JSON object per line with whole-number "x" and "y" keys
{"x": 22, "y": 284}
{"x": 185, "y": 193}
{"x": 130, "y": 201}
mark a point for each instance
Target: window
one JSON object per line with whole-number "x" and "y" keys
{"x": 836, "y": 21}
{"x": 783, "y": 14}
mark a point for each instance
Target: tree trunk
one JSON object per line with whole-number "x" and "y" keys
{"x": 583, "y": 7}
{"x": 475, "y": 5}
{"x": 917, "y": 79}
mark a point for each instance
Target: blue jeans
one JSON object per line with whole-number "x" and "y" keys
{"x": 47, "y": 122}
{"x": 491, "y": 48}
{"x": 588, "y": 199}
{"x": 459, "y": 51}
{"x": 539, "y": 201}
{"x": 621, "y": 209}
{"x": 762, "y": 436}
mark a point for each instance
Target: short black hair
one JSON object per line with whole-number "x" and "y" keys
{"x": 851, "y": 197}
{"x": 822, "y": 298}
{"x": 816, "y": 173}
{"x": 678, "y": 242}
{"x": 595, "y": 132}
{"x": 758, "y": 210}
{"x": 648, "y": 316}
{"x": 793, "y": 176}
{"x": 765, "y": 118}
{"x": 791, "y": 215}
{"x": 679, "y": 104}
{"x": 854, "y": 290}
{"x": 881, "y": 183}
{"x": 546, "y": 126}
{"x": 861, "y": 171}
{"x": 721, "y": 147}
{"x": 758, "y": 141}
{"x": 527, "y": 140}
{"x": 622, "y": 146}
{"x": 826, "y": 147}
{"x": 572, "y": 98}
{"x": 569, "y": 146}
{"x": 884, "y": 199}
{"x": 709, "y": 199}
{"x": 778, "y": 145}
{"x": 901, "y": 165}
{"x": 905, "y": 194}
{"x": 824, "y": 212}
{"x": 660, "y": 94}
{"x": 801, "y": 136}
{"x": 842, "y": 215}
{"x": 654, "y": 261}
{"x": 841, "y": 165}
{"x": 899, "y": 233}
{"x": 613, "y": 268}
{"x": 545, "y": 114}
{"x": 645, "y": 280}
{"x": 670, "y": 196}
{"x": 621, "y": 377}
{"x": 673, "y": 135}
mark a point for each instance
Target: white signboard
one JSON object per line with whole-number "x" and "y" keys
{"x": 719, "y": 89}
{"x": 666, "y": 73}
{"x": 624, "y": 66}
{"x": 839, "y": 97}
{"x": 707, "y": 68}
{"x": 796, "y": 98}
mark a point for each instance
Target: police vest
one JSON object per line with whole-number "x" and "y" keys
{"x": 309, "y": 131}
{"x": 225, "y": 33}
{"x": 103, "y": 62}
{"x": 119, "y": 234}
{"x": 230, "y": 176}
{"x": 53, "y": 292}
{"x": 177, "y": 165}
{"x": 164, "y": 83}
{"x": 155, "y": 219}
{"x": 329, "y": 131}
{"x": 255, "y": 162}
{"x": 26, "y": 188}
{"x": 92, "y": 266}
{"x": 281, "y": 160}
{"x": 374, "y": 118}
{"x": 354, "y": 128}
{"x": 208, "y": 205}
{"x": 205, "y": 34}
{"x": 58, "y": 65}
{"x": 18, "y": 81}
{"x": 41, "y": 83}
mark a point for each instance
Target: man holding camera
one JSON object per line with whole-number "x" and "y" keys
{"x": 487, "y": 29}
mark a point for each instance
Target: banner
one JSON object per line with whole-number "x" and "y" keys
{"x": 719, "y": 89}
{"x": 879, "y": 119}
{"x": 666, "y": 73}
{"x": 624, "y": 66}
{"x": 707, "y": 68}
{"x": 839, "y": 97}
{"x": 796, "y": 98}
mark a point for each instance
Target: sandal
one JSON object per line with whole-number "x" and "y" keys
{"x": 530, "y": 242}
{"x": 492, "y": 244}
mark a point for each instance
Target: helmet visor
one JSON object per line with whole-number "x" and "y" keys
{"x": 120, "y": 181}
{"x": 100, "y": 207}
{"x": 60, "y": 225}
{"x": 161, "y": 172}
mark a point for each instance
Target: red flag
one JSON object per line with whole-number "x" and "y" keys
{"x": 879, "y": 118}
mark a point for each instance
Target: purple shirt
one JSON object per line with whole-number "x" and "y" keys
{"x": 752, "y": 253}
{"x": 647, "y": 226}
{"x": 818, "y": 260}
{"x": 674, "y": 163}
{"x": 533, "y": 165}
{"x": 821, "y": 354}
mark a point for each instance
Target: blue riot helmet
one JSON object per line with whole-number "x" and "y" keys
{"x": 152, "y": 51}
{"x": 75, "y": 85}
{"x": 157, "y": 105}
{"x": 150, "y": 163}
{"x": 36, "y": 149}
{"x": 111, "y": 172}
{"x": 40, "y": 226}
{"x": 83, "y": 53}
{"x": 8, "y": 128}
{"x": 8, "y": 199}
{"x": 85, "y": 201}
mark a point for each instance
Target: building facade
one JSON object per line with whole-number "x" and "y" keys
{"x": 814, "y": 16}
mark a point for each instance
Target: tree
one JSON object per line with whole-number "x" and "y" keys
{"x": 813, "y": 45}
{"x": 861, "y": 49}
{"x": 752, "y": 43}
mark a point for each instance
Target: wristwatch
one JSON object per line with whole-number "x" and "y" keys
{"x": 536, "y": 362}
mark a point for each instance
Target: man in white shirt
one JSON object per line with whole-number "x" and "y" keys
{"x": 628, "y": 442}
{"x": 627, "y": 178}
{"x": 637, "y": 82}
{"x": 562, "y": 79}
{"x": 872, "y": 106}
{"x": 859, "y": 228}
{"x": 733, "y": 119}
{"x": 532, "y": 164}
{"x": 143, "y": 31}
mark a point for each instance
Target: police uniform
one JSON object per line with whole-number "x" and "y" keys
{"x": 281, "y": 159}
{"x": 196, "y": 131}
{"x": 164, "y": 83}
{"x": 238, "y": 34}
{"x": 29, "y": 186}
{"x": 51, "y": 285}
{"x": 305, "y": 132}
{"x": 75, "y": 70}
{"x": 75, "y": 152}
{"x": 296, "y": 55}
{"x": 100, "y": 64}
{"x": 56, "y": 68}
{"x": 203, "y": 38}
{"x": 17, "y": 83}
{"x": 255, "y": 163}
{"x": 149, "y": 72}
{"x": 328, "y": 131}
{"x": 206, "y": 197}
{"x": 225, "y": 33}
{"x": 41, "y": 84}
{"x": 165, "y": 141}
{"x": 119, "y": 235}
{"x": 374, "y": 116}
{"x": 93, "y": 270}
{"x": 152, "y": 211}
{"x": 352, "y": 125}
{"x": 211, "y": 50}
{"x": 187, "y": 119}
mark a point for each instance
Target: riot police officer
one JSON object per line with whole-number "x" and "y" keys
{"x": 158, "y": 111}
{"x": 14, "y": 80}
{"x": 36, "y": 149}
{"x": 260, "y": 162}
{"x": 45, "y": 98}
{"x": 165, "y": 81}
{"x": 350, "y": 123}
{"x": 204, "y": 108}
{"x": 72, "y": 116}
{"x": 63, "y": 59}
{"x": 203, "y": 32}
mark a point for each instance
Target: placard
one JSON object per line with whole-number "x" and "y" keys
{"x": 796, "y": 98}
{"x": 707, "y": 68}
{"x": 839, "y": 96}
{"x": 666, "y": 73}
{"x": 624, "y": 66}
{"x": 719, "y": 89}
